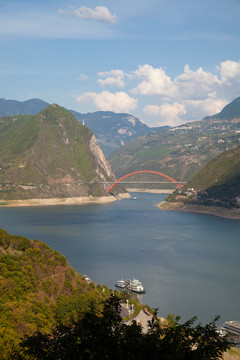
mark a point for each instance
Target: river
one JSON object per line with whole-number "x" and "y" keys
{"x": 189, "y": 263}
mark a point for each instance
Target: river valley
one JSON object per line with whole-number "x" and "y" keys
{"x": 188, "y": 262}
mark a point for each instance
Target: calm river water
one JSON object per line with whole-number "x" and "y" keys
{"x": 188, "y": 263}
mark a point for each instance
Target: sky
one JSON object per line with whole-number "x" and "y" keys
{"x": 166, "y": 62}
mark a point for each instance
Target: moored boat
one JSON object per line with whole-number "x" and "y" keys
{"x": 136, "y": 286}
{"x": 132, "y": 285}
{"x": 121, "y": 284}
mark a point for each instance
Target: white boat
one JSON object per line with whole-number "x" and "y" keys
{"x": 133, "y": 285}
{"x": 121, "y": 284}
{"x": 136, "y": 286}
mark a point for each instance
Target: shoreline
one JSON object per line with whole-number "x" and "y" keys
{"x": 209, "y": 210}
{"x": 84, "y": 200}
{"x": 152, "y": 191}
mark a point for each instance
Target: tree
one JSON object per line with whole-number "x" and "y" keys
{"x": 105, "y": 336}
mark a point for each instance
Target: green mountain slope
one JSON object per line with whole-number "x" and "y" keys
{"x": 50, "y": 155}
{"x": 214, "y": 190}
{"x": 38, "y": 288}
{"x": 181, "y": 151}
{"x": 219, "y": 181}
{"x": 112, "y": 130}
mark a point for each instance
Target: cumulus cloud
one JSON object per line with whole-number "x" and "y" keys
{"x": 230, "y": 70}
{"x": 168, "y": 113}
{"x": 117, "y": 102}
{"x": 155, "y": 82}
{"x": 191, "y": 95}
{"x": 210, "y": 106}
{"x": 112, "y": 78}
{"x": 100, "y": 13}
{"x": 196, "y": 84}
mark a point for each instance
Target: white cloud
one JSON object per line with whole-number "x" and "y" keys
{"x": 155, "y": 82}
{"x": 167, "y": 113}
{"x": 113, "y": 78}
{"x": 100, "y": 13}
{"x": 196, "y": 84}
{"x": 83, "y": 77}
{"x": 230, "y": 70}
{"x": 117, "y": 102}
{"x": 209, "y": 106}
{"x": 191, "y": 95}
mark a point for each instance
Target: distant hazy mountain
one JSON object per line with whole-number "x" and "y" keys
{"x": 14, "y": 107}
{"x": 112, "y": 130}
{"x": 50, "y": 155}
{"x": 183, "y": 150}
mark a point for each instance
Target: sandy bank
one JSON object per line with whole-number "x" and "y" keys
{"x": 153, "y": 191}
{"x": 63, "y": 201}
{"x": 211, "y": 210}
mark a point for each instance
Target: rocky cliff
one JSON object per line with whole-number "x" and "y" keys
{"x": 51, "y": 155}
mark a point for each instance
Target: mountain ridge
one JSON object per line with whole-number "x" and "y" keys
{"x": 111, "y": 129}
{"x": 180, "y": 151}
{"x": 50, "y": 155}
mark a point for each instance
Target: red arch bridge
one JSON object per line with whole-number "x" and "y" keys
{"x": 143, "y": 171}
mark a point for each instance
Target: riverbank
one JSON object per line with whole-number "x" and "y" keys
{"x": 84, "y": 200}
{"x": 211, "y": 210}
{"x": 151, "y": 191}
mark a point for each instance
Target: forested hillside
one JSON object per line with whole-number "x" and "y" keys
{"x": 50, "y": 155}
{"x": 216, "y": 186}
{"x": 38, "y": 289}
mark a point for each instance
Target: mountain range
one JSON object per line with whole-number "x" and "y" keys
{"x": 50, "y": 155}
{"x": 183, "y": 150}
{"x": 111, "y": 130}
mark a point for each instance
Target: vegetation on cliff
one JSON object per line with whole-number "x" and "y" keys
{"x": 50, "y": 155}
{"x": 217, "y": 184}
{"x": 38, "y": 290}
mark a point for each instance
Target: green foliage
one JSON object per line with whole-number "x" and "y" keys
{"x": 41, "y": 155}
{"x": 218, "y": 183}
{"x": 38, "y": 288}
{"x": 105, "y": 336}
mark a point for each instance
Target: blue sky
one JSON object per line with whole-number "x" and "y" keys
{"x": 164, "y": 61}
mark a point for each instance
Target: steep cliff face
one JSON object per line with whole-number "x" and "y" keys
{"x": 103, "y": 166}
{"x": 50, "y": 155}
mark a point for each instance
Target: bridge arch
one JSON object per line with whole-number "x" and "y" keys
{"x": 143, "y": 171}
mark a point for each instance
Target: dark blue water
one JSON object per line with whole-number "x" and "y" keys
{"x": 189, "y": 263}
